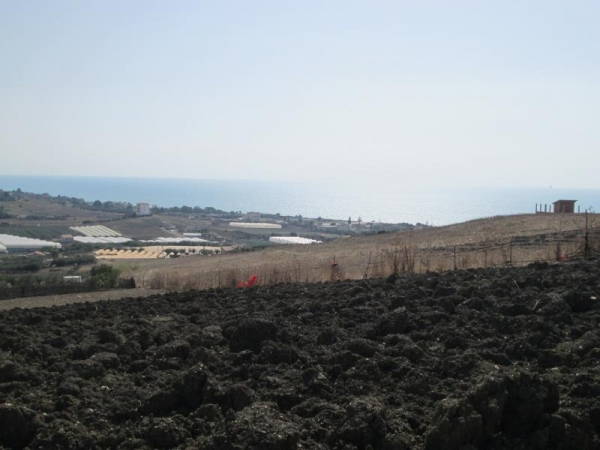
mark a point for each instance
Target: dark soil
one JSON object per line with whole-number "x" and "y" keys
{"x": 477, "y": 359}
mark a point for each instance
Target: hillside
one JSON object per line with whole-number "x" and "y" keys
{"x": 490, "y": 242}
{"x": 496, "y": 241}
{"x": 489, "y": 358}
{"x": 44, "y": 217}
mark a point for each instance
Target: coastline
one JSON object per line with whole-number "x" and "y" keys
{"x": 438, "y": 206}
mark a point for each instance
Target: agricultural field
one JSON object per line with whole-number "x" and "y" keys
{"x": 498, "y": 241}
{"x": 496, "y": 358}
{"x": 48, "y": 209}
{"x": 42, "y": 218}
{"x": 149, "y": 227}
{"x": 44, "y": 232}
{"x": 46, "y": 217}
{"x": 145, "y": 228}
{"x": 158, "y": 252}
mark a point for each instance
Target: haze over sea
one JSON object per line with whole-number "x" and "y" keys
{"x": 385, "y": 203}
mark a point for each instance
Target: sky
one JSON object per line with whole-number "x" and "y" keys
{"x": 439, "y": 93}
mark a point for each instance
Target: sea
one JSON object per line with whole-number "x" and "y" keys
{"x": 389, "y": 203}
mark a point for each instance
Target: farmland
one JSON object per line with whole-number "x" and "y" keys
{"x": 496, "y": 358}
{"x": 158, "y": 251}
{"x": 488, "y": 242}
{"x": 242, "y": 252}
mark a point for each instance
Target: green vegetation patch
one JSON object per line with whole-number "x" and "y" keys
{"x": 104, "y": 277}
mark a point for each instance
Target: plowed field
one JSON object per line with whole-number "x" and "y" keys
{"x": 475, "y": 359}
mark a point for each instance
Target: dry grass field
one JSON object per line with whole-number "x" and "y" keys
{"x": 43, "y": 219}
{"x": 44, "y": 207}
{"x": 494, "y": 241}
{"x": 150, "y": 227}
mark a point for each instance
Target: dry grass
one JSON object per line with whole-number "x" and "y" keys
{"x": 149, "y": 227}
{"x": 480, "y": 243}
{"x": 44, "y": 207}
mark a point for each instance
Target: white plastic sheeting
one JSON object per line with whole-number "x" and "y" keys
{"x": 2, "y": 249}
{"x": 16, "y": 243}
{"x": 254, "y": 225}
{"x": 167, "y": 240}
{"x": 292, "y": 240}
{"x": 100, "y": 240}
{"x": 96, "y": 231}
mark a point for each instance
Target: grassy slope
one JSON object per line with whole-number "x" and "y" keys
{"x": 300, "y": 262}
{"x": 313, "y": 262}
{"x": 47, "y": 225}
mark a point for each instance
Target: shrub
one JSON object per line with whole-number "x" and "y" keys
{"x": 22, "y": 267}
{"x": 75, "y": 260}
{"x": 104, "y": 276}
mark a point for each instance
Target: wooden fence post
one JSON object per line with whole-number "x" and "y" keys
{"x": 366, "y": 274}
{"x": 455, "y": 257}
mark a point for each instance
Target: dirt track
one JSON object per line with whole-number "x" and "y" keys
{"x": 490, "y": 359}
{"x": 80, "y": 297}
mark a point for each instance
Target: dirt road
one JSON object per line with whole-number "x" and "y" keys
{"x": 58, "y": 300}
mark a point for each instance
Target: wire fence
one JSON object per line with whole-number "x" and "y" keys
{"x": 382, "y": 262}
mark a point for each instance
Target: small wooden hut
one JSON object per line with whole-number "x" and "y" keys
{"x": 564, "y": 206}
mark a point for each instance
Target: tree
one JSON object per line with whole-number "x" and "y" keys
{"x": 4, "y": 214}
{"x": 104, "y": 276}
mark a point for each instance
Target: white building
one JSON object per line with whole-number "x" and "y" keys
{"x": 73, "y": 279}
{"x": 143, "y": 209}
{"x": 253, "y": 216}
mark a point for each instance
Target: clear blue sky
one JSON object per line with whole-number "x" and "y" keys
{"x": 486, "y": 92}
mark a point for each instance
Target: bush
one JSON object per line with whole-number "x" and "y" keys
{"x": 4, "y": 214}
{"x": 23, "y": 267}
{"x": 75, "y": 260}
{"x": 104, "y": 277}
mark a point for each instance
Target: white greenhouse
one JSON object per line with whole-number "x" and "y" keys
{"x": 258, "y": 225}
{"x": 96, "y": 231}
{"x": 22, "y": 244}
{"x": 292, "y": 240}
{"x": 100, "y": 240}
{"x": 173, "y": 240}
